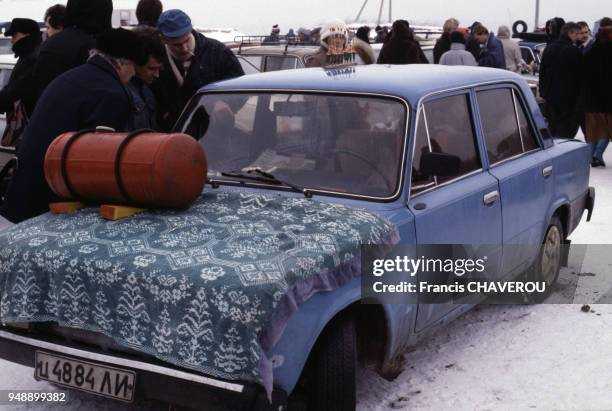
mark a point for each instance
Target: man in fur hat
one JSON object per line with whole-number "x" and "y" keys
{"x": 86, "y": 97}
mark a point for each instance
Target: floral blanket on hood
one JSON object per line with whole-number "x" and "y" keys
{"x": 210, "y": 288}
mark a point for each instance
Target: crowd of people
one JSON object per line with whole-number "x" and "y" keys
{"x": 86, "y": 74}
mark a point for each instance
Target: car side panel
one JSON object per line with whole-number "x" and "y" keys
{"x": 571, "y": 165}
{"x": 291, "y": 352}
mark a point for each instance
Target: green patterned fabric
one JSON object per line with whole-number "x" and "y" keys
{"x": 196, "y": 288}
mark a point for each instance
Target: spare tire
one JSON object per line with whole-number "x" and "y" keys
{"x": 516, "y": 25}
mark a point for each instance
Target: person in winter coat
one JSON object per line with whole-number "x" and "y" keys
{"x": 361, "y": 45}
{"x": 458, "y": 55}
{"x": 553, "y": 29}
{"x": 585, "y": 39}
{"x": 70, "y": 48}
{"x": 85, "y": 97}
{"x": 334, "y": 39}
{"x": 191, "y": 62}
{"x": 26, "y": 38}
{"x": 401, "y": 47}
{"x": 512, "y": 51}
{"x": 598, "y": 93}
{"x": 559, "y": 83}
{"x": 492, "y": 52}
{"x": 444, "y": 42}
{"x": 148, "y": 12}
{"x": 55, "y": 19}
{"x": 144, "y": 105}
{"x": 471, "y": 44}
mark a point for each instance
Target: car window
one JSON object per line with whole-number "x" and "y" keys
{"x": 419, "y": 179}
{"x": 254, "y": 60}
{"x": 500, "y": 116}
{"x": 527, "y": 135}
{"x": 247, "y": 66}
{"x": 276, "y": 63}
{"x": 349, "y": 145}
{"x": 451, "y": 132}
{"x": 501, "y": 132}
{"x": 527, "y": 55}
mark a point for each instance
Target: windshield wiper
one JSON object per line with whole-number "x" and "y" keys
{"x": 257, "y": 174}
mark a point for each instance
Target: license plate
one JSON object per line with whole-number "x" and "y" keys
{"x": 86, "y": 376}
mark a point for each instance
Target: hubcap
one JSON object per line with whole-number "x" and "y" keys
{"x": 551, "y": 255}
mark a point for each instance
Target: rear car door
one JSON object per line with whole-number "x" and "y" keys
{"x": 524, "y": 171}
{"x": 461, "y": 209}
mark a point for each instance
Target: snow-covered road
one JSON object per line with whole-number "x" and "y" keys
{"x": 494, "y": 357}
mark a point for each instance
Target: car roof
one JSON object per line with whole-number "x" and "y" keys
{"x": 410, "y": 82}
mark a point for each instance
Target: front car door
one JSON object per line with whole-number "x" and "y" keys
{"x": 461, "y": 209}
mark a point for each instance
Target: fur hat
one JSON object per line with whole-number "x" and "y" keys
{"x": 121, "y": 43}
{"x": 332, "y": 28}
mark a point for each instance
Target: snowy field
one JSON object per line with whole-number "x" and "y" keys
{"x": 539, "y": 357}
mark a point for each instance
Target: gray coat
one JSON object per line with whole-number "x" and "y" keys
{"x": 458, "y": 56}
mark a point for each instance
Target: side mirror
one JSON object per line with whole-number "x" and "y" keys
{"x": 440, "y": 165}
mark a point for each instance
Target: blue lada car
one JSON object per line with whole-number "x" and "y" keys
{"x": 252, "y": 297}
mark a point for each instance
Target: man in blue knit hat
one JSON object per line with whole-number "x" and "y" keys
{"x": 192, "y": 61}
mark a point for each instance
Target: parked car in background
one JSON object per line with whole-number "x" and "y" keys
{"x": 253, "y": 292}
{"x": 255, "y": 57}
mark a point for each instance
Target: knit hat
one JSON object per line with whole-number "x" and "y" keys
{"x": 331, "y": 28}
{"x": 174, "y": 23}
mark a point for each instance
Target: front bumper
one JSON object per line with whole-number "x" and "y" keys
{"x": 155, "y": 380}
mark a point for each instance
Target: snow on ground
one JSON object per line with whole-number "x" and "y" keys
{"x": 537, "y": 357}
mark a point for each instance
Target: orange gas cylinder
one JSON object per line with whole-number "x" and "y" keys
{"x": 143, "y": 168}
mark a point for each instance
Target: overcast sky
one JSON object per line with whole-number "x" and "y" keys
{"x": 254, "y": 16}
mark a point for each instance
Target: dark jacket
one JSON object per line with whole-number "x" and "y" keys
{"x": 86, "y": 97}
{"x": 19, "y": 86}
{"x": 473, "y": 46}
{"x": 70, "y": 47}
{"x": 401, "y": 47}
{"x": 492, "y": 55}
{"x": 442, "y": 46}
{"x": 560, "y": 73}
{"x": 144, "y": 106}
{"x": 597, "y": 75}
{"x": 213, "y": 61}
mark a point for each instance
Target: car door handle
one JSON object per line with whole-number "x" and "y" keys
{"x": 491, "y": 198}
{"x": 547, "y": 171}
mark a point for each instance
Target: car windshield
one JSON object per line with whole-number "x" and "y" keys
{"x": 341, "y": 144}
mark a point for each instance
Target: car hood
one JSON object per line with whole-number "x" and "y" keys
{"x": 210, "y": 288}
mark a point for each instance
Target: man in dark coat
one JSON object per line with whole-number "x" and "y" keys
{"x": 86, "y": 97}
{"x": 492, "y": 53}
{"x": 70, "y": 48}
{"x": 144, "y": 104}
{"x": 26, "y": 38}
{"x": 444, "y": 42}
{"x": 597, "y": 93}
{"x": 559, "y": 84}
{"x": 191, "y": 62}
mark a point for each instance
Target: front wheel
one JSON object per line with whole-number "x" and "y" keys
{"x": 334, "y": 386}
{"x": 547, "y": 266}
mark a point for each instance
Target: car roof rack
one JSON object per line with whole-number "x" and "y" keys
{"x": 266, "y": 41}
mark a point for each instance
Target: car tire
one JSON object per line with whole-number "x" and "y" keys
{"x": 547, "y": 266}
{"x": 515, "y": 27}
{"x": 334, "y": 386}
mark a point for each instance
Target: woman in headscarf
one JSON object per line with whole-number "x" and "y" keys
{"x": 361, "y": 45}
{"x": 401, "y": 47}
